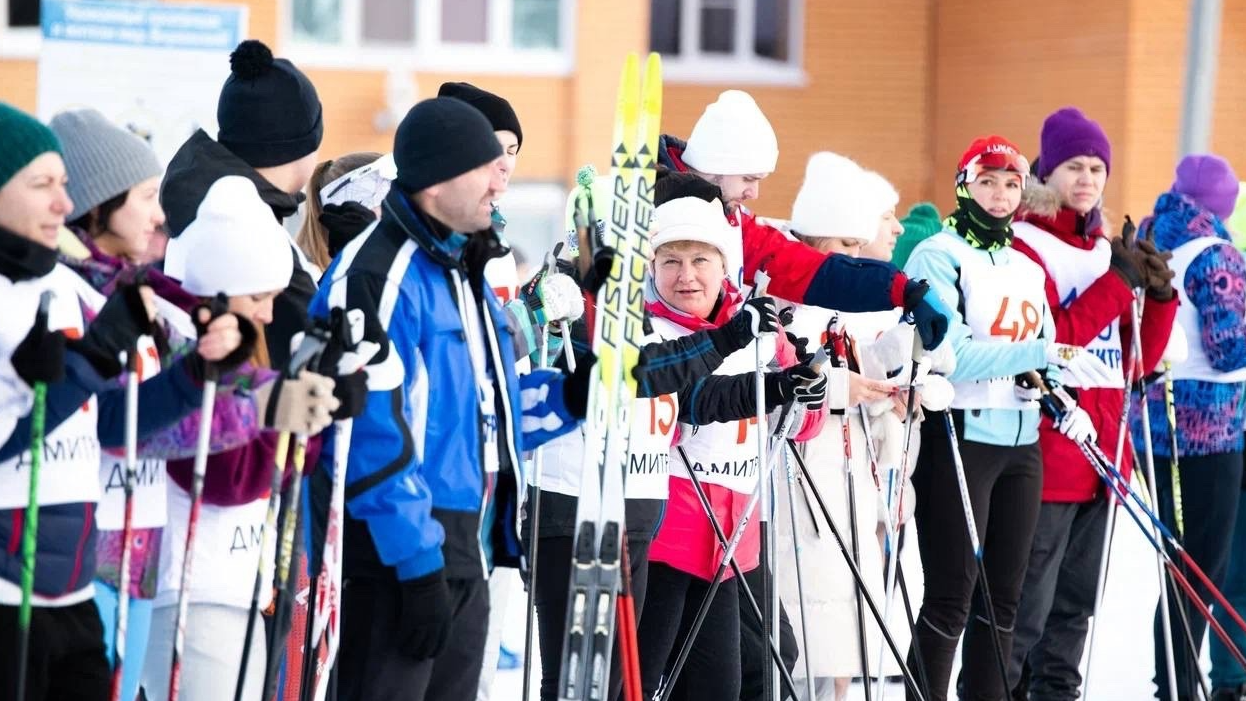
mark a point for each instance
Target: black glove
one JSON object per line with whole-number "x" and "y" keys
{"x": 930, "y": 314}
{"x": 1159, "y": 275}
{"x": 575, "y": 387}
{"x": 756, "y": 316}
{"x": 218, "y": 307}
{"x": 116, "y": 328}
{"x": 1129, "y": 263}
{"x": 427, "y": 612}
{"x": 344, "y": 222}
{"x": 40, "y": 357}
{"x": 350, "y": 389}
{"x": 801, "y": 345}
{"x": 799, "y": 383}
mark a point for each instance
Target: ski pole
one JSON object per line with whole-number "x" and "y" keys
{"x": 800, "y": 579}
{"x": 324, "y": 596}
{"x": 1195, "y": 679}
{"x": 841, "y": 357}
{"x": 30, "y": 529}
{"x": 196, "y": 503}
{"x": 127, "y": 527}
{"x": 310, "y": 347}
{"x": 770, "y": 600}
{"x": 909, "y": 680}
{"x": 984, "y": 586}
{"x": 538, "y": 463}
{"x": 1170, "y": 413}
{"x": 1149, "y": 465}
{"x": 288, "y": 550}
{"x": 1109, "y": 528}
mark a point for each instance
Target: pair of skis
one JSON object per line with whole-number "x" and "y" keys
{"x": 599, "y": 548}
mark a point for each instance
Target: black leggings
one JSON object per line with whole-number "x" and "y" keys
{"x": 1005, "y": 487}
{"x": 553, "y": 579}
{"x": 713, "y": 667}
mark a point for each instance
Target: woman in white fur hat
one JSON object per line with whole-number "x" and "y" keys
{"x": 844, "y": 209}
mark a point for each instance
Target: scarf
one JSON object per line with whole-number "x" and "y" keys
{"x": 978, "y": 227}
{"x": 24, "y": 259}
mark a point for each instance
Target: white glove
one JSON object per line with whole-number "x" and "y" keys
{"x": 937, "y": 393}
{"x": 561, "y": 298}
{"x": 1081, "y": 368}
{"x": 1077, "y": 426}
{"x": 301, "y": 405}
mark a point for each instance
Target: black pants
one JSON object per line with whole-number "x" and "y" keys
{"x": 552, "y": 581}
{"x": 1057, "y": 600}
{"x": 1005, "y": 487}
{"x": 67, "y": 658}
{"x": 1210, "y": 490}
{"x": 372, "y": 668}
{"x": 713, "y": 667}
{"x": 754, "y": 649}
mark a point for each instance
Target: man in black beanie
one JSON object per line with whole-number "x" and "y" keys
{"x": 271, "y": 125}
{"x": 433, "y": 470}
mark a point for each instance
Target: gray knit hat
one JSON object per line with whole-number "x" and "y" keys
{"x": 102, "y": 159}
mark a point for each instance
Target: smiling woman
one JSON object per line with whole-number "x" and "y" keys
{"x": 114, "y": 182}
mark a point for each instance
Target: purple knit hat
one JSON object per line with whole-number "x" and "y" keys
{"x": 1067, "y": 133}
{"x": 1208, "y": 180}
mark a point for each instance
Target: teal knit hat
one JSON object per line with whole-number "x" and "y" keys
{"x": 22, "y": 139}
{"x": 922, "y": 222}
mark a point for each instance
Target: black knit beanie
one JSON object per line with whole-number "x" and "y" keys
{"x": 268, "y": 111}
{"x": 495, "y": 108}
{"x": 440, "y": 139}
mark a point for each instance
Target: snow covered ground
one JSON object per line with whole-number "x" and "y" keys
{"x": 1123, "y": 660}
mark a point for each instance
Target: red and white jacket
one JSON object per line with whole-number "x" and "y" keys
{"x": 1090, "y": 306}
{"x": 723, "y": 454}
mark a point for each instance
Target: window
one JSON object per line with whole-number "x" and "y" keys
{"x": 492, "y": 36}
{"x": 728, "y": 41}
{"x": 19, "y": 28}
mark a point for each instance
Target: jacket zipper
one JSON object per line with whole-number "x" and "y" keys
{"x": 505, "y": 410}
{"x": 484, "y": 471}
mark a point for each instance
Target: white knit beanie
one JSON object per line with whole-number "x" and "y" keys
{"x": 832, "y": 202}
{"x": 234, "y": 245}
{"x": 880, "y": 194}
{"x": 692, "y": 219}
{"x": 732, "y": 137}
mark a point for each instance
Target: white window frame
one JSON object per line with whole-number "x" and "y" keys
{"x": 18, "y": 42}
{"x": 742, "y": 67}
{"x": 429, "y": 53}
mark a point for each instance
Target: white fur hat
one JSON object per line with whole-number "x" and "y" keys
{"x": 692, "y": 219}
{"x": 833, "y": 200}
{"x": 732, "y": 137}
{"x": 880, "y": 194}
{"x": 234, "y": 245}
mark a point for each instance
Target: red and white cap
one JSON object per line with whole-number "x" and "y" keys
{"x": 991, "y": 153}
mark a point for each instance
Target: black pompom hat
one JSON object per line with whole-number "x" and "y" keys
{"x": 268, "y": 111}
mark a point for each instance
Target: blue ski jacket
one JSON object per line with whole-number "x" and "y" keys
{"x": 419, "y": 497}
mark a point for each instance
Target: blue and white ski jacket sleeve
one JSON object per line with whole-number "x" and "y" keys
{"x": 975, "y": 360}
